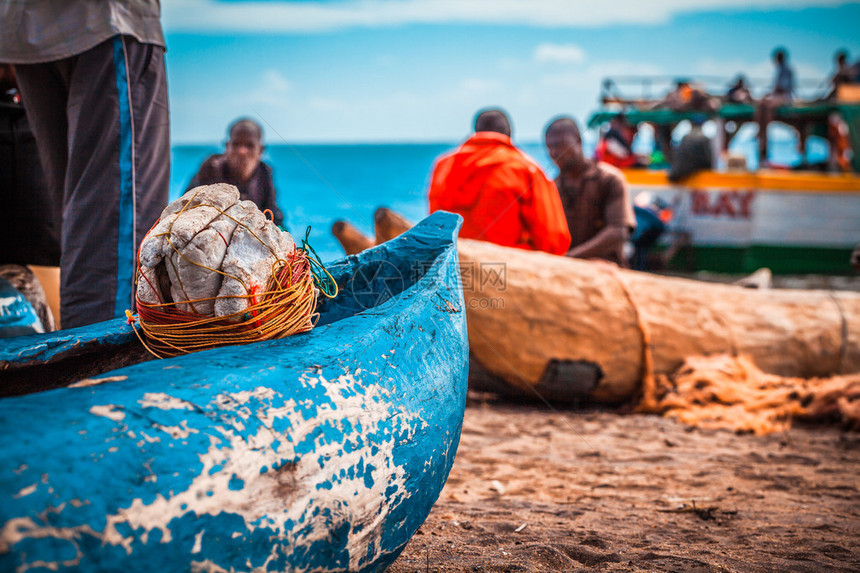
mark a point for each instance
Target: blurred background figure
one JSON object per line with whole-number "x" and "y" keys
{"x": 241, "y": 165}
{"x": 652, "y": 218}
{"x": 780, "y": 95}
{"x": 687, "y": 97}
{"x": 739, "y": 92}
{"x": 694, "y": 153}
{"x": 841, "y": 153}
{"x": 616, "y": 144}
{"x": 845, "y": 73}
{"x": 594, "y": 196}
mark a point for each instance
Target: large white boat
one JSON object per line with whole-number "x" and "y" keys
{"x": 736, "y": 221}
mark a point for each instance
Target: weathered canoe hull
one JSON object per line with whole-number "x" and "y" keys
{"x": 322, "y": 452}
{"x": 537, "y": 322}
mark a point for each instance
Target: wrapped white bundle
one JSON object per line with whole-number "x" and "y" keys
{"x": 205, "y": 231}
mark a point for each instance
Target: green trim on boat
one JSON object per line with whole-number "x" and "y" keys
{"x": 780, "y": 260}
{"x": 810, "y": 117}
{"x": 729, "y": 112}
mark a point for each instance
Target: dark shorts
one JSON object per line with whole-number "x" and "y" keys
{"x": 101, "y": 122}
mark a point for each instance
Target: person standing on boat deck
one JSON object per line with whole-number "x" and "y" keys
{"x": 502, "y": 194}
{"x": 92, "y": 75}
{"x": 594, "y": 196}
{"x": 780, "y": 95}
{"x": 241, "y": 165}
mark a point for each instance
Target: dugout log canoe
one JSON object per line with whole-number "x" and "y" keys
{"x": 323, "y": 451}
{"x": 562, "y": 329}
{"x": 538, "y": 324}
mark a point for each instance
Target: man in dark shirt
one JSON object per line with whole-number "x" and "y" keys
{"x": 594, "y": 197}
{"x": 694, "y": 153}
{"x": 240, "y": 165}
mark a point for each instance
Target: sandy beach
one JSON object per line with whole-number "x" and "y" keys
{"x": 539, "y": 488}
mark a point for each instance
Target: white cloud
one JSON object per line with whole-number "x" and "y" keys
{"x": 559, "y": 54}
{"x": 386, "y": 60}
{"x": 592, "y": 76}
{"x": 479, "y": 85}
{"x": 510, "y": 64}
{"x": 327, "y": 104}
{"x": 273, "y": 88}
{"x": 308, "y": 16}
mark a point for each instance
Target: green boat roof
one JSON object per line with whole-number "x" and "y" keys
{"x": 813, "y": 116}
{"x": 729, "y": 112}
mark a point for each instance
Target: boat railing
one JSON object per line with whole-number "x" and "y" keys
{"x": 644, "y": 91}
{"x": 836, "y": 119}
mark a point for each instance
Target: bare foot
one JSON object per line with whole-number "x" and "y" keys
{"x": 389, "y": 224}
{"x": 351, "y": 239}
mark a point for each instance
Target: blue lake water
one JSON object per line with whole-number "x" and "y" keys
{"x": 319, "y": 184}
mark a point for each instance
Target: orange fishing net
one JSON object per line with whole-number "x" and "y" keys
{"x": 731, "y": 392}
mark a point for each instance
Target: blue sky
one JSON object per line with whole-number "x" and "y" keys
{"x": 417, "y": 70}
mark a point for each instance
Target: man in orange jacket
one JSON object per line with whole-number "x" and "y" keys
{"x": 501, "y": 193}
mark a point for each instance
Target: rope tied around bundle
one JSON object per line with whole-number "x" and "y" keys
{"x": 215, "y": 271}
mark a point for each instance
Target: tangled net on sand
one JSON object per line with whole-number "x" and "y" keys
{"x": 731, "y": 392}
{"x": 215, "y": 271}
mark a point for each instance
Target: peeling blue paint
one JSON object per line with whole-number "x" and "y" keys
{"x": 328, "y": 435}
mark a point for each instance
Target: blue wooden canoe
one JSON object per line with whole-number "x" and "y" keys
{"x": 320, "y": 452}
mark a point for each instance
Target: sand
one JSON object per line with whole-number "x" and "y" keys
{"x": 536, "y": 488}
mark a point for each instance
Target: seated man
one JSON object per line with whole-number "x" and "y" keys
{"x": 501, "y": 193}
{"x": 780, "y": 95}
{"x": 240, "y": 165}
{"x": 845, "y": 74}
{"x": 616, "y": 145}
{"x": 687, "y": 97}
{"x": 594, "y": 196}
{"x": 739, "y": 92}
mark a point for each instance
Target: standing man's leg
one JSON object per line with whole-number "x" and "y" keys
{"x": 762, "y": 117}
{"x": 151, "y": 135}
{"x": 107, "y": 202}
